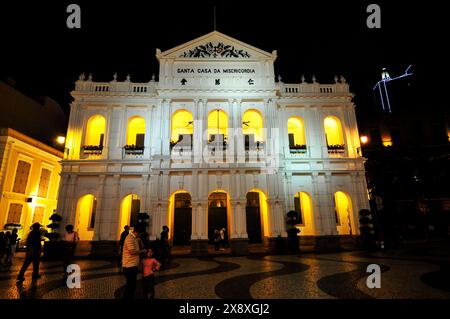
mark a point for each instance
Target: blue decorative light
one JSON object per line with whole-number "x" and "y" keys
{"x": 386, "y": 78}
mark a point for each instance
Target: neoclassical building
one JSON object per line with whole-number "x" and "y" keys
{"x": 215, "y": 143}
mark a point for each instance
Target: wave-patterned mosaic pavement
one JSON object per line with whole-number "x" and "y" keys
{"x": 337, "y": 275}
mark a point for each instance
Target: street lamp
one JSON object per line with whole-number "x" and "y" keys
{"x": 61, "y": 140}
{"x": 364, "y": 139}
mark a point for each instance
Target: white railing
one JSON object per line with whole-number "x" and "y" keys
{"x": 313, "y": 88}
{"x": 113, "y": 87}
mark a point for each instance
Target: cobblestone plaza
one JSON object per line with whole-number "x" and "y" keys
{"x": 257, "y": 276}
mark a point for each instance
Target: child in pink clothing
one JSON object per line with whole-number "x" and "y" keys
{"x": 149, "y": 265}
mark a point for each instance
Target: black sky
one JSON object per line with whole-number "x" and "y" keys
{"x": 311, "y": 37}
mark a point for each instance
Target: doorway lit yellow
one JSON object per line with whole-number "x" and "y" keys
{"x": 85, "y": 217}
{"x": 264, "y": 211}
{"x": 333, "y": 131}
{"x": 303, "y": 202}
{"x": 95, "y": 130}
{"x": 136, "y": 126}
{"x": 171, "y": 214}
{"x": 125, "y": 211}
{"x": 345, "y": 221}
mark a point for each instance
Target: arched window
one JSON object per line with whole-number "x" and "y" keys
{"x": 296, "y": 133}
{"x": 95, "y": 131}
{"x": 217, "y": 125}
{"x": 252, "y": 128}
{"x": 333, "y": 132}
{"x": 182, "y": 128}
{"x": 136, "y": 131}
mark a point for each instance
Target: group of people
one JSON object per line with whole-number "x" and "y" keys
{"x": 135, "y": 257}
{"x": 8, "y": 244}
{"x": 220, "y": 239}
{"x": 34, "y": 251}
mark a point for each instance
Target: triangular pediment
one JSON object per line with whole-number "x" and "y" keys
{"x": 216, "y": 45}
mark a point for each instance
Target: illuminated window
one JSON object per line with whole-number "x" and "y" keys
{"x": 333, "y": 135}
{"x": 296, "y": 132}
{"x": 38, "y": 216}
{"x": 14, "y": 214}
{"x": 217, "y": 200}
{"x": 333, "y": 131}
{"x": 136, "y": 131}
{"x": 44, "y": 183}
{"x": 252, "y": 124}
{"x": 95, "y": 131}
{"x": 217, "y": 123}
{"x": 21, "y": 180}
{"x": 182, "y": 125}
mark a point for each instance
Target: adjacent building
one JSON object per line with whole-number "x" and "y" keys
{"x": 29, "y": 180}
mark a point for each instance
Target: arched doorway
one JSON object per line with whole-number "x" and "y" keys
{"x": 182, "y": 220}
{"x": 253, "y": 218}
{"x": 129, "y": 208}
{"x": 304, "y": 208}
{"x": 85, "y": 217}
{"x": 344, "y": 214}
{"x": 217, "y": 213}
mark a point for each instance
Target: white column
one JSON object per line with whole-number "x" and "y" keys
{"x": 144, "y": 191}
{"x": 328, "y": 205}
{"x": 99, "y": 233}
{"x": 115, "y": 208}
{"x": 202, "y": 220}
{"x": 238, "y": 221}
{"x": 290, "y": 201}
{"x": 318, "y": 210}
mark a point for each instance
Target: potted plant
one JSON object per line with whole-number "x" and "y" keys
{"x": 292, "y": 231}
{"x": 53, "y": 248}
{"x": 142, "y": 219}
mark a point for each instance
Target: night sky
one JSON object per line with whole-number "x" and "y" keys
{"x": 44, "y": 57}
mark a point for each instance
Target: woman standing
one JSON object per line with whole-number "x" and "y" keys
{"x": 71, "y": 238}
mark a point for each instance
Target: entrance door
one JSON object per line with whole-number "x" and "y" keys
{"x": 253, "y": 215}
{"x": 182, "y": 223}
{"x": 217, "y": 214}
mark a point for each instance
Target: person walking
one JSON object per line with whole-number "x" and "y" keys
{"x": 123, "y": 236}
{"x": 149, "y": 265}
{"x": 2, "y": 247}
{"x": 165, "y": 247}
{"x": 7, "y": 244}
{"x": 14, "y": 238}
{"x": 70, "y": 244}
{"x": 217, "y": 240}
{"x": 33, "y": 254}
{"x": 130, "y": 261}
{"x": 223, "y": 238}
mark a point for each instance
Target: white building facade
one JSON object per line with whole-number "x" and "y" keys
{"x": 215, "y": 143}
